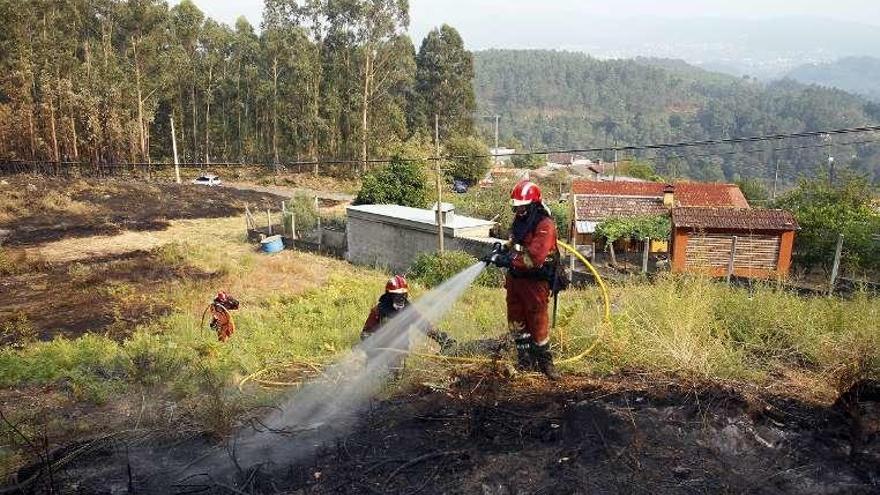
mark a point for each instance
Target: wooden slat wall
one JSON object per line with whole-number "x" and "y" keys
{"x": 713, "y": 250}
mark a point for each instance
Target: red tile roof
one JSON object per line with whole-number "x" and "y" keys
{"x": 733, "y": 219}
{"x": 597, "y": 208}
{"x": 686, "y": 193}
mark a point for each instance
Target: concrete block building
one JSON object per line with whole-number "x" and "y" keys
{"x": 393, "y": 236}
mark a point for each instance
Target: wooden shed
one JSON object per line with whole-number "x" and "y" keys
{"x": 760, "y": 241}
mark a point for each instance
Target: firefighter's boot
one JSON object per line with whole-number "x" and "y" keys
{"x": 544, "y": 361}
{"x": 524, "y": 356}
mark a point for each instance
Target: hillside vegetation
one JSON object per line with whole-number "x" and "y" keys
{"x": 860, "y": 75}
{"x": 550, "y": 99}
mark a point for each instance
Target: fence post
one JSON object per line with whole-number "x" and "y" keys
{"x": 645, "y": 255}
{"x": 283, "y": 219}
{"x": 269, "y": 220}
{"x": 292, "y": 224}
{"x": 836, "y": 267}
{"x": 730, "y": 261}
{"x": 174, "y": 148}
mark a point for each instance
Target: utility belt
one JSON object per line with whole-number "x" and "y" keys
{"x": 551, "y": 271}
{"x": 546, "y": 272}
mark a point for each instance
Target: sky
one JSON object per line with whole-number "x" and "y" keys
{"x": 476, "y": 19}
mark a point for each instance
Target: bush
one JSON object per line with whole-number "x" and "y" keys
{"x": 562, "y": 216}
{"x": 644, "y": 227}
{"x": 753, "y": 190}
{"x": 401, "y": 182}
{"x": 474, "y": 161}
{"x": 528, "y": 161}
{"x": 432, "y": 269}
{"x": 303, "y": 208}
{"x": 823, "y": 212}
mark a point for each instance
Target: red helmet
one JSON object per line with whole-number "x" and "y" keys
{"x": 397, "y": 285}
{"x": 222, "y": 296}
{"x": 525, "y": 193}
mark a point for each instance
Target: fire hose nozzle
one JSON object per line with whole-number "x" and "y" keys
{"x": 489, "y": 258}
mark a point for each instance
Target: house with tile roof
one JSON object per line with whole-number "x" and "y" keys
{"x": 752, "y": 243}
{"x": 711, "y": 224}
{"x": 594, "y": 202}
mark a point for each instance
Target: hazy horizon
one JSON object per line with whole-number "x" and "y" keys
{"x": 469, "y": 14}
{"x": 765, "y": 39}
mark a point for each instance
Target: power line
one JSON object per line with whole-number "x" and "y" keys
{"x": 629, "y": 148}
{"x": 763, "y": 150}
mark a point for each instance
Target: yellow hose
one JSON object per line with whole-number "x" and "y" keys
{"x": 607, "y": 319}
{"x": 458, "y": 359}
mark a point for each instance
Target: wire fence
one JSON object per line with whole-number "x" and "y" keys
{"x": 165, "y": 170}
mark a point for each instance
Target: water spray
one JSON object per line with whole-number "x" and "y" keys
{"x": 326, "y": 407}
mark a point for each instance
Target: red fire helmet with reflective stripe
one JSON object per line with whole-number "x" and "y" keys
{"x": 524, "y": 193}
{"x": 397, "y": 285}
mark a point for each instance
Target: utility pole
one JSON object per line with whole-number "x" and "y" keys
{"x": 776, "y": 178}
{"x": 437, "y": 182}
{"x": 496, "y": 139}
{"x": 174, "y": 148}
{"x": 830, "y": 170}
{"x": 834, "y": 270}
{"x": 614, "y": 177}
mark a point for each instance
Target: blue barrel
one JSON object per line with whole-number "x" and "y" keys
{"x": 272, "y": 244}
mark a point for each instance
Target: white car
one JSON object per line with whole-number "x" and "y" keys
{"x": 207, "y": 180}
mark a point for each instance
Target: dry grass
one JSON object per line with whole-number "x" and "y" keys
{"x": 19, "y": 261}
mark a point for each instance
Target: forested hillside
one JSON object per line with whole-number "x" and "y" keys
{"x": 860, "y": 75}
{"x": 99, "y": 81}
{"x": 549, "y": 99}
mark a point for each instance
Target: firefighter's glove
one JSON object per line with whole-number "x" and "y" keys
{"x": 501, "y": 260}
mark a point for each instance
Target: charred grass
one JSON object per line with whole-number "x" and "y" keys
{"x": 41, "y": 209}
{"x": 142, "y": 358}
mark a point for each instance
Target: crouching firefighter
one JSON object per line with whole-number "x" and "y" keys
{"x": 532, "y": 260}
{"x": 221, "y": 318}
{"x": 393, "y": 304}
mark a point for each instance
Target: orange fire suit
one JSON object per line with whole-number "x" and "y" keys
{"x": 528, "y": 290}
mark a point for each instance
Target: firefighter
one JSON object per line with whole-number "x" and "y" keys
{"x": 221, "y": 318}
{"x": 391, "y": 304}
{"x": 531, "y": 258}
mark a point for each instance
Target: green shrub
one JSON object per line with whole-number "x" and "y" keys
{"x": 400, "y": 182}
{"x": 305, "y": 212}
{"x": 432, "y": 269}
{"x": 528, "y": 161}
{"x": 472, "y": 160}
{"x": 824, "y": 211}
{"x": 644, "y": 227}
{"x": 562, "y": 216}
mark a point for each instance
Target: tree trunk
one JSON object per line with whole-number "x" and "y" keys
{"x": 208, "y": 116}
{"x": 195, "y": 134}
{"x": 73, "y": 135}
{"x": 33, "y": 134}
{"x": 275, "y": 110}
{"x": 140, "y": 109}
{"x": 368, "y": 69}
{"x": 56, "y": 153}
{"x": 238, "y": 105}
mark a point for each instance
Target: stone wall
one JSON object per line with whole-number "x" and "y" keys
{"x": 394, "y": 248}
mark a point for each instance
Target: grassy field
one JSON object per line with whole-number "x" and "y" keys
{"x": 301, "y": 311}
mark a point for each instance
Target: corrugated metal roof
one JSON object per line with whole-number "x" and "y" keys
{"x": 420, "y": 215}
{"x": 733, "y": 219}
{"x": 585, "y": 226}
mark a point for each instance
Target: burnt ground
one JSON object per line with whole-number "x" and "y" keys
{"x": 109, "y": 294}
{"x": 41, "y": 297}
{"x": 491, "y": 435}
{"x": 41, "y": 209}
